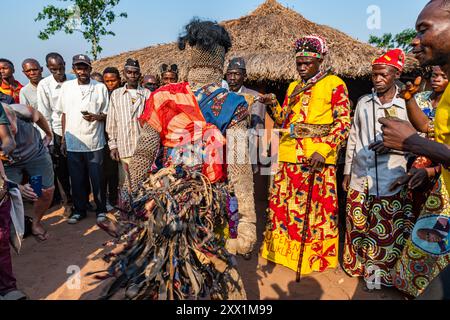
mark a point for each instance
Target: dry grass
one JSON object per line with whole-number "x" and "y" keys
{"x": 265, "y": 38}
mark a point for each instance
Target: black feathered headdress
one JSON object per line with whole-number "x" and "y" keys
{"x": 205, "y": 35}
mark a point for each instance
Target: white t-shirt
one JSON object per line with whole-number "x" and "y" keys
{"x": 82, "y": 135}
{"x": 28, "y": 96}
{"x": 48, "y": 92}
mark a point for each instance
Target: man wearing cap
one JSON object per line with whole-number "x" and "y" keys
{"x": 84, "y": 104}
{"x": 314, "y": 121}
{"x": 379, "y": 212}
{"x": 169, "y": 74}
{"x": 235, "y": 77}
{"x": 126, "y": 106}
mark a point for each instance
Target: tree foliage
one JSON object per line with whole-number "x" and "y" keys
{"x": 89, "y": 17}
{"x": 389, "y": 41}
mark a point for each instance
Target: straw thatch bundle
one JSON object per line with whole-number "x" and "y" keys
{"x": 265, "y": 39}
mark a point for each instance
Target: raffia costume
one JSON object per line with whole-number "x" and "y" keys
{"x": 189, "y": 228}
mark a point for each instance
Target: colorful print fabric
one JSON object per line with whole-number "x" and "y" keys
{"x": 287, "y": 215}
{"x": 376, "y": 233}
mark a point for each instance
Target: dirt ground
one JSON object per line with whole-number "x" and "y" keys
{"x": 43, "y": 269}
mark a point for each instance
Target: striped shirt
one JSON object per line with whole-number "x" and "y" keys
{"x": 122, "y": 123}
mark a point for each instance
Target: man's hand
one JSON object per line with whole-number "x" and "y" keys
{"x": 400, "y": 182}
{"x": 90, "y": 117}
{"x": 346, "y": 182}
{"x": 408, "y": 92}
{"x": 268, "y": 99}
{"x": 94, "y": 117}
{"x": 115, "y": 155}
{"x": 28, "y": 193}
{"x": 379, "y": 148}
{"x": 415, "y": 179}
{"x": 418, "y": 178}
{"x": 317, "y": 161}
{"x": 48, "y": 139}
{"x": 395, "y": 132}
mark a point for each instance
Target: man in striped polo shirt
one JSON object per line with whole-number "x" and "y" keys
{"x": 126, "y": 106}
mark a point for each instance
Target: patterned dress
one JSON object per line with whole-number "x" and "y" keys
{"x": 326, "y": 103}
{"x": 377, "y": 223}
{"x": 427, "y": 252}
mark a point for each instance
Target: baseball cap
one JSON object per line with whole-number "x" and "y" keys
{"x": 81, "y": 59}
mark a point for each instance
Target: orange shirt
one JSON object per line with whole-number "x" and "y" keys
{"x": 13, "y": 92}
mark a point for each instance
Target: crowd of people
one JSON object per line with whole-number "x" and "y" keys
{"x": 177, "y": 162}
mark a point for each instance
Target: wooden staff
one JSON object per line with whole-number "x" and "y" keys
{"x": 306, "y": 224}
{"x": 375, "y": 140}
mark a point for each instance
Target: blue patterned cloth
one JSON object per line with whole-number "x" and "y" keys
{"x": 423, "y": 100}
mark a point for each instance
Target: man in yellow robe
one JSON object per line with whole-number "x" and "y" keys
{"x": 303, "y": 209}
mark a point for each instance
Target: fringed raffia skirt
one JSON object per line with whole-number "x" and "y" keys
{"x": 175, "y": 237}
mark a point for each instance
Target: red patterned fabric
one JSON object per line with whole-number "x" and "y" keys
{"x": 173, "y": 111}
{"x": 287, "y": 215}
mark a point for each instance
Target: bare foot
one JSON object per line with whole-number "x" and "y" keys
{"x": 39, "y": 232}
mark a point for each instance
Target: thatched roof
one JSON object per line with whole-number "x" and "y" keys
{"x": 265, "y": 38}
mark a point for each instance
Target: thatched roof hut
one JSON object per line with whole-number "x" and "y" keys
{"x": 265, "y": 38}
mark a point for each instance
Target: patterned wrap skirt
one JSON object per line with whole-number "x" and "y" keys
{"x": 376, "y": 233}
{"x": 427, "y": 252}
{"x": 287, "y": 215}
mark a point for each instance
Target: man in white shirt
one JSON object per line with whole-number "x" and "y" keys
{"x": 48, "y": 92}
{"x": 84, "y": 104}
{"x": 33, "y": 71}
{"x": 379, "y": 213}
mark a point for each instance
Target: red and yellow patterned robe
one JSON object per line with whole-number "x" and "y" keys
{"x": 326, "y": 103}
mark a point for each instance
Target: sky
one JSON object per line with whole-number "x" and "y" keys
{"x": 152, "y": 22}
